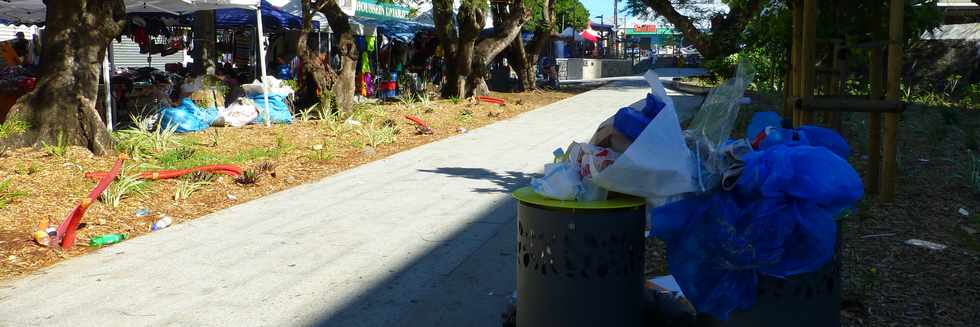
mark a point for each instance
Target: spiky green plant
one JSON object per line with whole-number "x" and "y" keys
{"x": 186, "y": 187}
{"x": 248, "y": 177}
{"x": 8, "y": 194}
{"x": 144, "y": 141}
{"x": 59, "y": 149}
{"x": 125, "y": 186}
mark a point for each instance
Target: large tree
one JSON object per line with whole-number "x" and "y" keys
{"x": 205, "y": 42}
{"x": 721, "y": 39}
{"x": 341, "y": 83}
{"x": 323, "y": 75}
{"x": 544, "y": 24}
{"x": 466, "y": 55}
{"x": 63, "y": 103}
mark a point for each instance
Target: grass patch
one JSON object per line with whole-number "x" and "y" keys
{"x": 187, "y": 187}
{"x": 8, "y": 194}
{"x": 144, "y": 141}
{"x": 375, "y": 136}
{"x": 13, "y": 127}
{"x": 59, "y": 149}
{"x": 125, "y": 186}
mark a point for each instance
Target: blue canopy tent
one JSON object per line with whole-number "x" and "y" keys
{"x": 396, "y": 29}
{"x": 272, "y": 18}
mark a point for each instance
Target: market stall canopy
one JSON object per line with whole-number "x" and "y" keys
{"x": 273, "y": 18}
{"x": 590, "y": 34}
{"x": 295, "y": 8}
{"x": 396, "y": 29}
{"x": 33, "y": 11}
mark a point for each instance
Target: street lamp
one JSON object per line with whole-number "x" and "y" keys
{"x": 600, "y": 19}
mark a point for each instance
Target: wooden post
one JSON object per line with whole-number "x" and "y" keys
{"x": 833, "y": 118}
{"x": 875, "y": 72}
{"x": 895, "y": 41}
{"x": 797, "y": 73}
{"x": 874, "y": 125}
{"x": 808, "y": 55}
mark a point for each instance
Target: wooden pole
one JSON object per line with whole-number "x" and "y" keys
{"x": 832, "y": 118}
{"x": 875, "y": 72}
{"x": 796, "y": 73}
{"x": 808, "y": 55}
{"x": 895, "y": 41}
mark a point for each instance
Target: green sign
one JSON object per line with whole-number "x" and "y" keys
{"x": 381, "y": 10}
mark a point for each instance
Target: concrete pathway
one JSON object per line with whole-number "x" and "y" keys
{"x": 422, "y": 238}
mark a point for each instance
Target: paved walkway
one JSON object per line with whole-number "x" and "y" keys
{"x": 422, "y": 238}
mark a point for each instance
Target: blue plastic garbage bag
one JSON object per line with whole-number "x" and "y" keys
{"x": 760, "y": 121}
{"x": 187, "y": 117}
{"x": 778, "y": 221}
{"x": 807, "y": 173}
{"x": 827, "y": 138}
{"x": 278, "y": 110}
{"x": 653, "y": 106}
{"x": 631, "y": 122}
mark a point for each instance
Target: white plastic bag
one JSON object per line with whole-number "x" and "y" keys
{"x": 658, "y": 163}
{"x": 240, "y": 113}
{"x": 561, "y": 181}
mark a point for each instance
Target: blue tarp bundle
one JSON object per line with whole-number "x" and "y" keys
{"x": 187, "y": 117}
{"x": 278, "y": 110}
{"x": 778, "y": 221}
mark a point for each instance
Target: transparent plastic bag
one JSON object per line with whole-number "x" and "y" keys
{"x": 713, "y": 124}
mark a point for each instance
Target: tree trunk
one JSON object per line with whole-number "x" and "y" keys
{"x": 519, "y": 60}
{"x": 507, "y": 26}
{"x": 525, "y": 58}
{"x": 205, "y": 41}
{"x": 64, "y": 101}
{"x": 340, "y": 24}
{"x": 323, "y": 76}
{"x": 446, "y": 33}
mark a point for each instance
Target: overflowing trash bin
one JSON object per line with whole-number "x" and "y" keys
{"x": 749, "y": 223}
{"x": 579, "y": 263}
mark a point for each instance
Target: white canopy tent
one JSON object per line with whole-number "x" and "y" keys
{"x": 33, "y": 12}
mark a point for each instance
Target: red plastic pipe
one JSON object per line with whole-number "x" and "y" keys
{"x": 230, "y": 170}
{"x": 496, "y": 101}
{"x": 66, "y": 231}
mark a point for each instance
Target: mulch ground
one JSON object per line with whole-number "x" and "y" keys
{"x": 305, "y": 151}
{"x": 885, "y": 281}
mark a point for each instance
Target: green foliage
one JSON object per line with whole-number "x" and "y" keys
{"x": 59, "y": 149}
{"x": 572, "y": 12}
{"x": 8, "y": 194}
{"x": 144, "y": 141}
{"x": 187, "y": 187}
{"x": 13, "y": 127}
{"x": 375, "y": 136}
{"x": 465, "y": 115}
{"x": 27, "y": 169}
{"x": 248, "y": 177}
{"x": 126, "y": 185}
{"x": 322, "y": 151}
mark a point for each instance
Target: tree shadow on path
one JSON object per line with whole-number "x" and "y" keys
{"x": 507, "y": 182}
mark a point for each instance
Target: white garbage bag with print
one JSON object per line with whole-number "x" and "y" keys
{"x": 561, "y": 181}
{"x": 658, "y": 163}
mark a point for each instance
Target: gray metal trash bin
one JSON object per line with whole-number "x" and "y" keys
{"x": 579, "y": 263}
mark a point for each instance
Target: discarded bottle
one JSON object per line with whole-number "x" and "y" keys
{"x": 103, "y": 240}
{"x": 164, "y": 222}
{"x": 42, "y": 238}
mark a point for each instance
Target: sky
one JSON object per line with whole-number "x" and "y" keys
{"x": 605, "y": 8}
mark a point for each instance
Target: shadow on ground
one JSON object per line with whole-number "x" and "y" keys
{"x": 450, "y": 284}
{"x": 507, "y": 182}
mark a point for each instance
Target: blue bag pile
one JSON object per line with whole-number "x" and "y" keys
{"x": 187, "y": 117}
{"x": 278, "y": 110}
{"x": 778, "y": 220}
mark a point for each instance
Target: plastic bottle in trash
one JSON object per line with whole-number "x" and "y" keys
{"x": 103, "y": 240}
{"x": 164, "y": 222}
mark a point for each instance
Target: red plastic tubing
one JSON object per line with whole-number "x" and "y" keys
{"x": 230, "y": 170}
{"x": 66, "y": 231}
